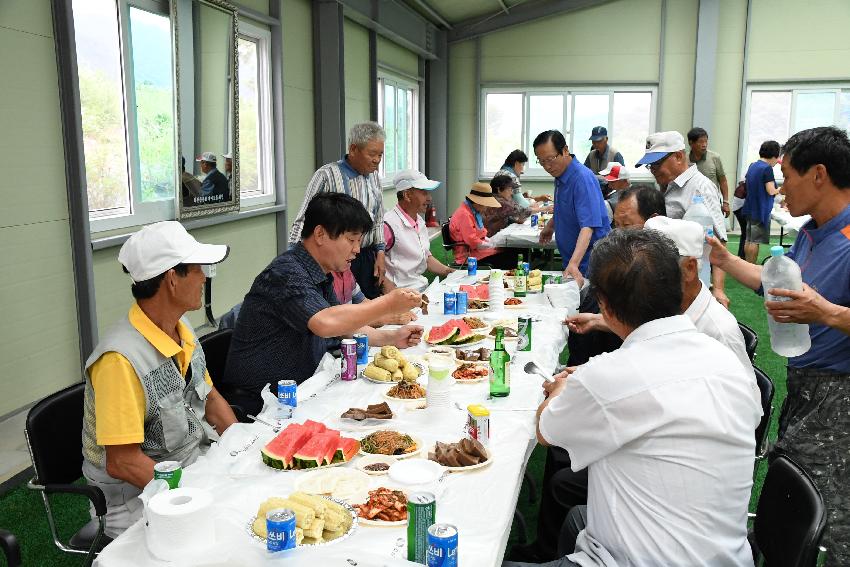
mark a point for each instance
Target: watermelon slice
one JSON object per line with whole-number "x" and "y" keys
{"x": 471, "y": 339}
{"x": 481, "y": 291}
{"x": 346, "y": 449}
{"x": 331, "y": 447}
{"x": 279, "y": 451}
{"x": 464, "y": 334}
{"x": 315, "y": 427}
{"x": 312, "y": 454}
{"x": 442, "y": 334}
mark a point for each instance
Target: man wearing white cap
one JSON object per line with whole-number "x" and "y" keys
{"x": 148, "y": 395}
{"x": 407, "y": 246}
{"x": 666, "y": 159}
{"x": 215, "y": 187}
{"x": 228, "y": 167}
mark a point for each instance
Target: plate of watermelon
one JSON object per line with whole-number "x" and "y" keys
{"x": 308, "y": 445}
{"x": 454, "y": 333}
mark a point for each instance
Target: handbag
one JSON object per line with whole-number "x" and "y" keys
{"x": 741, "y": 189}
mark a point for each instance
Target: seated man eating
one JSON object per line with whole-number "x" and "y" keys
{"x": 291, "y": 315}
{"x": 148, "y": 396}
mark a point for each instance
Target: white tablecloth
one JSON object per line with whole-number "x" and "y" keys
{"x": 523, "y": 235}
{"x": 480, "y": 503}
{"x": 783, "y": 218}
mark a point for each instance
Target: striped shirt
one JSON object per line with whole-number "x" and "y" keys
{"x": 340, "y": 177}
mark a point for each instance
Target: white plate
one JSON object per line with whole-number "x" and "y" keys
{"x": 520, "y": 306}
{"x": 478, "y": 310}
{"x": 380, "y": 381}
{"x": 470, "y": 467}
{"x": 416, "y": 440}
{"x": 366, "y": 460}
{"x": 379, "y": 523}
{"x": 404, "y": 400}
{"x": 475, "y": 381}
{"x": 336, "y": 483}
{"x": 416, "y": 471}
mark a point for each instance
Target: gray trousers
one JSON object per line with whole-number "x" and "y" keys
{"x": 575, "y": 522}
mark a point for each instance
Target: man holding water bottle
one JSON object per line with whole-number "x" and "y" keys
{"x": 814, "y": 427}
{"x": 666, "y": 159}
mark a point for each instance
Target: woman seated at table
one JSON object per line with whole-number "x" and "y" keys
{"x": 466, "y": 227}
{"x": 495, "y": 219}
{"x": 513, "y": 167}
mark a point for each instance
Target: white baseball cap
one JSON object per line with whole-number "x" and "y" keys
{"x": 158, "y": 247}
{"x": 615, "y": 171}
{"x": 227, "y": 156}
{"x": 688, "y": 235}
{"x": 660, "y": 144}
{"x": 206, "y": 156}
{"x": 412, "y": 179}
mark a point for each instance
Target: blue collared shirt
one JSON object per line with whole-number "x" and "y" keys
{"x": 578, "y": 204}
{"x": 823, "y": 254}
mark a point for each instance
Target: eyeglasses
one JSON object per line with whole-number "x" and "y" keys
{"x": 547, "y": 161}
{"x": 656, "y": 164}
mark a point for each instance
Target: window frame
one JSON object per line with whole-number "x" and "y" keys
{"x": 795, "y": 88}
{"x": 384, "y": 77}
{"x": 568, "y": 91}
{"x": 265, "y": 160}
{"x": 138, "y": 213}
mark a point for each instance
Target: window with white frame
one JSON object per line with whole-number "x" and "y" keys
{"x": 398, "y": 113}
{"x": 256, "y": 146}
{"x": 777, "y": 112}
{"x": 124, "y": 62}
{"x": 512, "y": 118}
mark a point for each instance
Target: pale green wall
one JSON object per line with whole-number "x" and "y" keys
{"x": 462, "y": 162}
{"x": 39, "y": 348}
{"x": 261, "y": 6}
{"x": 396, "y": 56}
{"x": 799, "y": 40}
{"x": 357, "y": 95}
{"x": 677, "y": 89}
{"x": 299, "y": 127}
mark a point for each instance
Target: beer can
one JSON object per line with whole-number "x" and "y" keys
{"x": 170, "y": 472}
{"x": 449, "y": 302}
{"x": 526, "y": 267}
{"x": 478, "y": 423}
{"x": 472, "y": 266}
{"x": 442, "y": 546}
{"x": 421, "y": 514}
{"x": 348, "y": 369}
{"x": 280, "y": 524}
{"x": 534, "y": 219}
{"x": 362, "y": 348}
{"x": 524, "y": 334}
{"x": 287, "y": 393}
{"x": 461, "y": 302}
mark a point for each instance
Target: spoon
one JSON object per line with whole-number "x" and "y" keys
{"x": 531, "y": 368}
{"x": 275, "y": 428}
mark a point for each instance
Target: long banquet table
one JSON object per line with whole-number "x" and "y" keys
{"x": 480, "y": 503}
{"x": 521, "y": 235}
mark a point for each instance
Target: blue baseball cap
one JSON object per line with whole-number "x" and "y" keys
{"x": 598, "y": 133}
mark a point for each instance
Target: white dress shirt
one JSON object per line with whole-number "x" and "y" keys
{"x": 711, "y": 318}
{"x": 665, "y": 425}
{"x": 680, "y": 194}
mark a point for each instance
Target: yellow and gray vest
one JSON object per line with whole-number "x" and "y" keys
{"x": 175, "y": 426}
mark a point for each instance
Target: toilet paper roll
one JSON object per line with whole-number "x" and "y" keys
{"x": 179, "y": 523}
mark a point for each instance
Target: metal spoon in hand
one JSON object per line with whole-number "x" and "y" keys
{"x": 531, "y": 368}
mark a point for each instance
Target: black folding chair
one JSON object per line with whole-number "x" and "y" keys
{"x": 790, "y": 518}
{"x": 54, "y": 432}
{"x": 216, "y": 345}
{"x": 11, "y": 549}
{"x": 449, "y": 245}
{"x": 751, "y": 340}
{"x": 766, "y": 388}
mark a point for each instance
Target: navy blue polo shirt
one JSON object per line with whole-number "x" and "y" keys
{"x": 823, "y": 254}
{"x": 578, "y": 204}
{"x": 758, "y": 204}
{"x": 271, "y": 340}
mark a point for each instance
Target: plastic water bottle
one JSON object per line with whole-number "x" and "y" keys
{"x": 700, "y": 214}
{"x": 781, "y": 272}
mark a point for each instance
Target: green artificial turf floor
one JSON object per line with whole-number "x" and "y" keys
{"x": 22, "y": 512}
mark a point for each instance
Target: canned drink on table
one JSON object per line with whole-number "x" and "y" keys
{"x": 472, "y": 266}
{"x": 524, "y": 333}
{"x": 170, "y": 472}
{"x": 534, "y": 219}
{"x": 287, "y": 393}
{"x": 449, "y": 303}
{"x": 526, "y": 267}
{"x": 348, "y": 369}
{"x": 478, "y": 423}
{"x": 280, "y": 524}
{"x": 442, "y": 546}
{"x": 421, "y": 514}
{"x": 362, "y": 348}
{"x": 461, "y": 302}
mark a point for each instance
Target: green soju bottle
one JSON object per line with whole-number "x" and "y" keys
{"x": 520, "y": 279}
{"x": 500, "y": 367}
